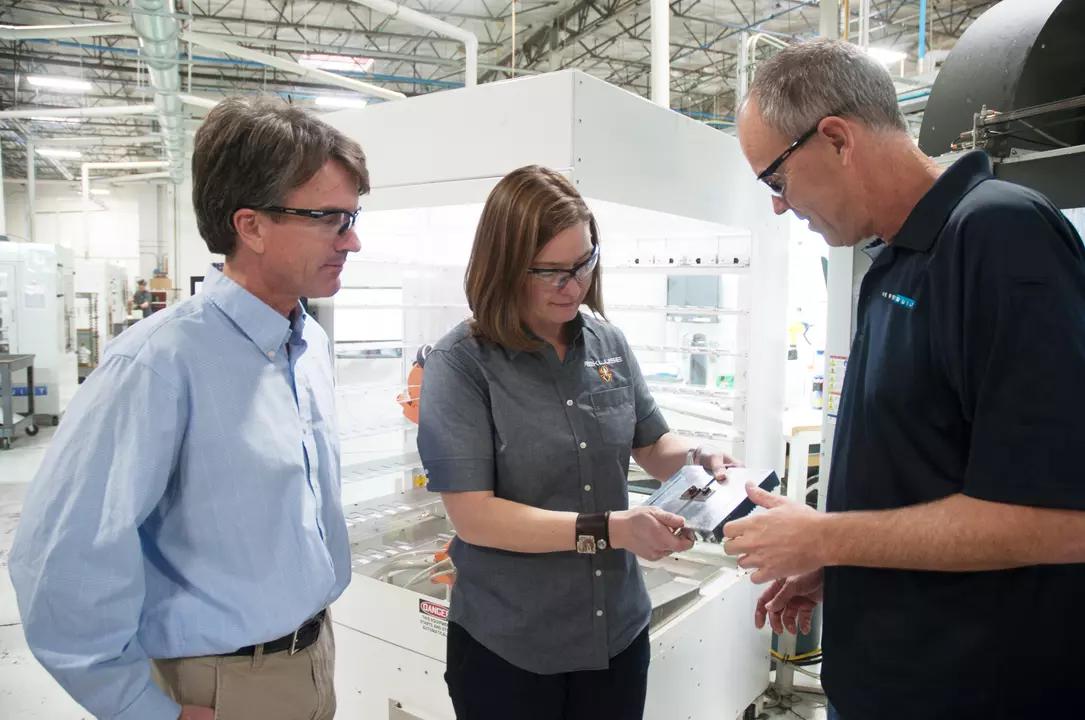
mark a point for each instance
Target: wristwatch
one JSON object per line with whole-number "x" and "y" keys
{"x": 592, "y": 532}
{"x": 693, "y": 456}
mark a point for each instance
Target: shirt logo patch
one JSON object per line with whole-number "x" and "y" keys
{"x": 605, "y": 373}
{"x": 902, "y": 300}
{"x": 616, "y": 360}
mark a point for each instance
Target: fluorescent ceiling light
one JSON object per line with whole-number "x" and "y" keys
{"x": 99, "y": 191}
{"x": 340, "y": 101}
{"x": 886, "y": 56}
{"x": 59, "y": 153}
{"x": 57, "y": 119}
{"x": 63, "y": 84}
{"x": 343, "y": 63}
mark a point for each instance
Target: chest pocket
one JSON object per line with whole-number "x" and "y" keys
{"x": 615, "y": 415}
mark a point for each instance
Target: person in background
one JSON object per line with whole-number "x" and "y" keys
{"x": 529, "y": 414}
{"x": 184, "y": 536}
{"x": 954, "y": 544}
{"x": 141, "y": 299}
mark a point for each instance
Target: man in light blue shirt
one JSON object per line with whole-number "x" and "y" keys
{"x": 184, "y": 534}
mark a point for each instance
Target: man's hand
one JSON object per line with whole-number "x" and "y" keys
{"x": 649, "y": 532}
{"x": 789, "y": 603}
{"x": 780, "y": 543}
{"x": 196, "y": 712}
{"x": 716, "y": 464}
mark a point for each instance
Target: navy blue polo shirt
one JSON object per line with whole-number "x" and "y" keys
{"x": 967, "y": 375}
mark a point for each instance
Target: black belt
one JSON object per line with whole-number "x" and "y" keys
{"x": 295, "y": 642}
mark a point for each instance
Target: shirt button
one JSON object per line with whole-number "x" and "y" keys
{"x": 569, "y": 403}
{"x": 598, "y": 613}
{"x": 598, "y": 573}
{"x": 583, "y": 445}
{"x": 587, "y": 488}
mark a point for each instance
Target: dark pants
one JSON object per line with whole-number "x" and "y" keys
{"x": 832, "y": 713}
{"x": 483, "y": 686}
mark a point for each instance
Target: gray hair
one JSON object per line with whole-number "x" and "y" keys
{"x": 251, "y": 152}
{"x": 804, "y": 83}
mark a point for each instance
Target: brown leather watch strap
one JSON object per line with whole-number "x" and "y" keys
{"x": 592, "y": 532}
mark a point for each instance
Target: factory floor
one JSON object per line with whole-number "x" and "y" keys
{"x": 27, "y": 692}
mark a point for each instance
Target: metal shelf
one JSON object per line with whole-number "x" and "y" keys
{"x": 360, "y": 472}
{"x": 694, "y": 391}
{"x": 357, "y": 433}
{"x": 683, "y": 268}
{"x": 687, "y": 350}
{"x": 678, "y": 309}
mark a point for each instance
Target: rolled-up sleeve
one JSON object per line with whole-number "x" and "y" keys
{"x": 77, "y": 562}
{"x": 455, "y": 427}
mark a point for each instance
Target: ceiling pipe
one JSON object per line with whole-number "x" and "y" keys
{"x": 128, "y": 164}
{"x": 158, "y": 31}
{"x": 56, "y": 32}
{"x": 661, "y": 53}
{"x": 413, "y": 17}
{"x": 290, "y": 66}
{"x": 96, "y": 111}
{"x": 89, "y": 140}
{"x": 137, "y": 177}
{"x": 197, "y": 101}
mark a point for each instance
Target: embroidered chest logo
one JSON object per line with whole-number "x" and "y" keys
{"x": 903, "y": 300}
{"x": 604, "y": 367}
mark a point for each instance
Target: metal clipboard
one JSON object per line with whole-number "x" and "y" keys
{"x": 706, "y": 504}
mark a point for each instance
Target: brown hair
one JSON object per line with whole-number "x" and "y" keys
{"x": 526, "y": 209}
{"x": 252, "y": 152}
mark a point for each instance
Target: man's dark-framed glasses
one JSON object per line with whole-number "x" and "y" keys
{"x": 769, "y": 176}
{"x": 558, "y": 278}
{"x": 341, "y": 219}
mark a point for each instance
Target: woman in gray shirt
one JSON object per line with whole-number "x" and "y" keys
{"x": 529, "y": 414}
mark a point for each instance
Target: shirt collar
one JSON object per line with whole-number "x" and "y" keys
{"x": 261, "y": 323}
{"x": 930, "y": 214}
{"x": 579, "y": 325}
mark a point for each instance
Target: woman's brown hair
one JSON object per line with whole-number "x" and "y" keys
{"x": 524, "y": 211}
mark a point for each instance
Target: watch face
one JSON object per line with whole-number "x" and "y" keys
{"x": 585, "y": 544}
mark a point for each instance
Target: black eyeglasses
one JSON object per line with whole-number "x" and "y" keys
{"x": 343, "y": 219}
{"x": 768, "y": 175}
{"x": 559, "y": 278}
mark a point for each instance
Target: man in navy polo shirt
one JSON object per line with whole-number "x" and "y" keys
{"x": 951, "y": 559}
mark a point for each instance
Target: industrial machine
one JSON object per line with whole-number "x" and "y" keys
{"x": 695, "y": 275}
{"x": 1013, "y": 86}
{"x": 37, "y": 317}
{"x": 102, "y": 312}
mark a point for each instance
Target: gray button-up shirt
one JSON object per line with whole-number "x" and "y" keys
{"x": 554, "y": 435}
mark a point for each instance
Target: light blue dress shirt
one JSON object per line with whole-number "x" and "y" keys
{"x": 189, "y": 503}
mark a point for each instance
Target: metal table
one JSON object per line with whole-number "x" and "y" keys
{"x": 10, "y": 426}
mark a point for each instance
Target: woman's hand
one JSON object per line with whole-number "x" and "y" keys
{"x": 649, "y": 532}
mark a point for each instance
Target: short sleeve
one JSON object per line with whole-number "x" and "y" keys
{"x": 455, "y": 427}
{"x": 1023, "y": 356}
{"x": 651, "y": 425}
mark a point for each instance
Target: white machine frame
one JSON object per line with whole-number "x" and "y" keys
{"x": 108, "y": 283}
{"x": 673, "y": 198}
{"x": 39, "y": 318}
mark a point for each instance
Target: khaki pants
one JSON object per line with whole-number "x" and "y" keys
{"x": 262, "y": 687}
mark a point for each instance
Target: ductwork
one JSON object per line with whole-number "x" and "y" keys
{"x": 413, "y": 17}
{"x": 158, "y": 30}
{"x": 290, "y": 66}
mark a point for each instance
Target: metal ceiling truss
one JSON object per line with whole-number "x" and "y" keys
{"x": 608, "y": 38}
